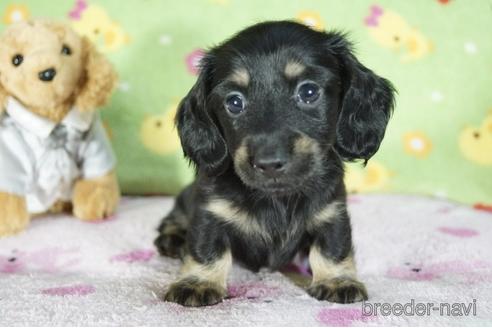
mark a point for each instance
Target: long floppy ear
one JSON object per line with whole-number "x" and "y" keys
{"x": 366, "y": 106}
{"x": 200, "y": 137}
{"x": 98, "y": 79}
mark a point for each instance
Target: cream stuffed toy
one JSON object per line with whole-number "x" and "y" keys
{"x": 54, "y": 152}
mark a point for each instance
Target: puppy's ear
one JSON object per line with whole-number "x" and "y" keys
{"x": 98, "y": 79}
{"x": 200, "y": 137}
{"x": 366, "y": 105}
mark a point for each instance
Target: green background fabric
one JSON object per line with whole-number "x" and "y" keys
{"x": 437, "y": 53}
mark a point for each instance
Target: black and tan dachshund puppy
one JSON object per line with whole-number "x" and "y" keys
{"x": 273, "y": 115}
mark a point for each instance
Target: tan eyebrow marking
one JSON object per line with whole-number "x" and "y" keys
{"x": 240, "y": 76}
{"x": 293, "y": 69}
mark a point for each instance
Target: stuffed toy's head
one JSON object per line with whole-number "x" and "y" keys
{"x": 49, "y": 69}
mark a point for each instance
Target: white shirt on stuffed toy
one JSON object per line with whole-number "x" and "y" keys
{"x": 41, "y": 160}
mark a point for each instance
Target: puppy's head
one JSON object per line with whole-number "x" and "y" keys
{"x": 274, "y": 100}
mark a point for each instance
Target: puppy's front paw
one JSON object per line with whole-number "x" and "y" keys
{"x": 194, "y": 292}
{"x": 13, "y": 214}
{"x": 171, "y": 244}
{"x": 96, "y": 199}
{"x": 339, "y": 290}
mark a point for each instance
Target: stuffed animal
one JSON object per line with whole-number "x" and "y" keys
{"x": 54, "y": 152}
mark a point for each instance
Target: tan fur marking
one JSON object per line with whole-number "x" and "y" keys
{"x": 230, "y": 214}
{"x": 326, "y": 269}
{"x": 293, "y": 69}
{"x": 215, "y": 272}
{"x": 172, "y": 228}
{"x": 241, "y": 154}
{"x": 327, "y": 214}
{"x": 240, "y": 76}
{"x": 305, "y": 144}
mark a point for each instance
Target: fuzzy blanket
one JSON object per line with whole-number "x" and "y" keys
{"x": 409, "y": 250}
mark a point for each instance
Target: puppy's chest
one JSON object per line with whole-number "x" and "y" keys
{"x": 271, "y": 237}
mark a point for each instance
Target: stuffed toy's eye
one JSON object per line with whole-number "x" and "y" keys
{"x": 17, "y": 59}
{"x": 308, "y": 93}
{"x": 66, "y": 50}
{"x": 234, "y": 103}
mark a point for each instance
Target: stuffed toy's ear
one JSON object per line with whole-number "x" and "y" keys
{"x": 98, "y": 79}
{"x": 367, "y": 104}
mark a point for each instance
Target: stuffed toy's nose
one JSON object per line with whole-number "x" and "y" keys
{"x": 47, "y": 75}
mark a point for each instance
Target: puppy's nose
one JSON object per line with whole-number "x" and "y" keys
{"x": 270, "y": 166}
{"x": 47, "y": 75}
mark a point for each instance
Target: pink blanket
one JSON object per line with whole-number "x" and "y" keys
{"x": 409, "y": 250}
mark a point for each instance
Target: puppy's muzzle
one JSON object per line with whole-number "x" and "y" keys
{"x": 269, "y": 156}
{"x": 276, "y": 163}
{"x": 270, "y": 165}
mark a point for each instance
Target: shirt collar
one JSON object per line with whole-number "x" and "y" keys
{"x": 43, "y": 127}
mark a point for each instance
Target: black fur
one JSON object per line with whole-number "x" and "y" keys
{"x": 200, "y": 138}
{"x": 347, "y": 122}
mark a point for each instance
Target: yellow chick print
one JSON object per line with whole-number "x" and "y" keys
{"x": 158, "y": 133}
{"x": 311, "y": 19}
{"x": 476, "y": 143}
{"x": 417, "y": 143}
{"x": 390, "y": 30}
{"x": 93, "y": 22}
{"x": 374, "y": 177}
{"x": 16, "y": 13}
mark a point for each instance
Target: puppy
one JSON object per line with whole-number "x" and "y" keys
{"x": 273, "y": 115}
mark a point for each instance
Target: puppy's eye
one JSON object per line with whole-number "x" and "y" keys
{"x": 66, "y": 50}
{"x": 17, "y": 60}
{"x": 234, "y": 103}
{"x": 308, "y": 93}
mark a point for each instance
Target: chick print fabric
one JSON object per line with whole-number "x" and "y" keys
{"x": 437, "y": 53}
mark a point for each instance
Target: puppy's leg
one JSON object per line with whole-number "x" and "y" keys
{"x": 332, "y": 263}
{"x": 172, "y": 235}
{"x": 203, "y": 277}
{"x": 13, "y": 214}
{"x": 333, "y": 280}
{"x": 201, "y": 283}
{"x": 95, "y": 199}
{"x": 172, "y": 230}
